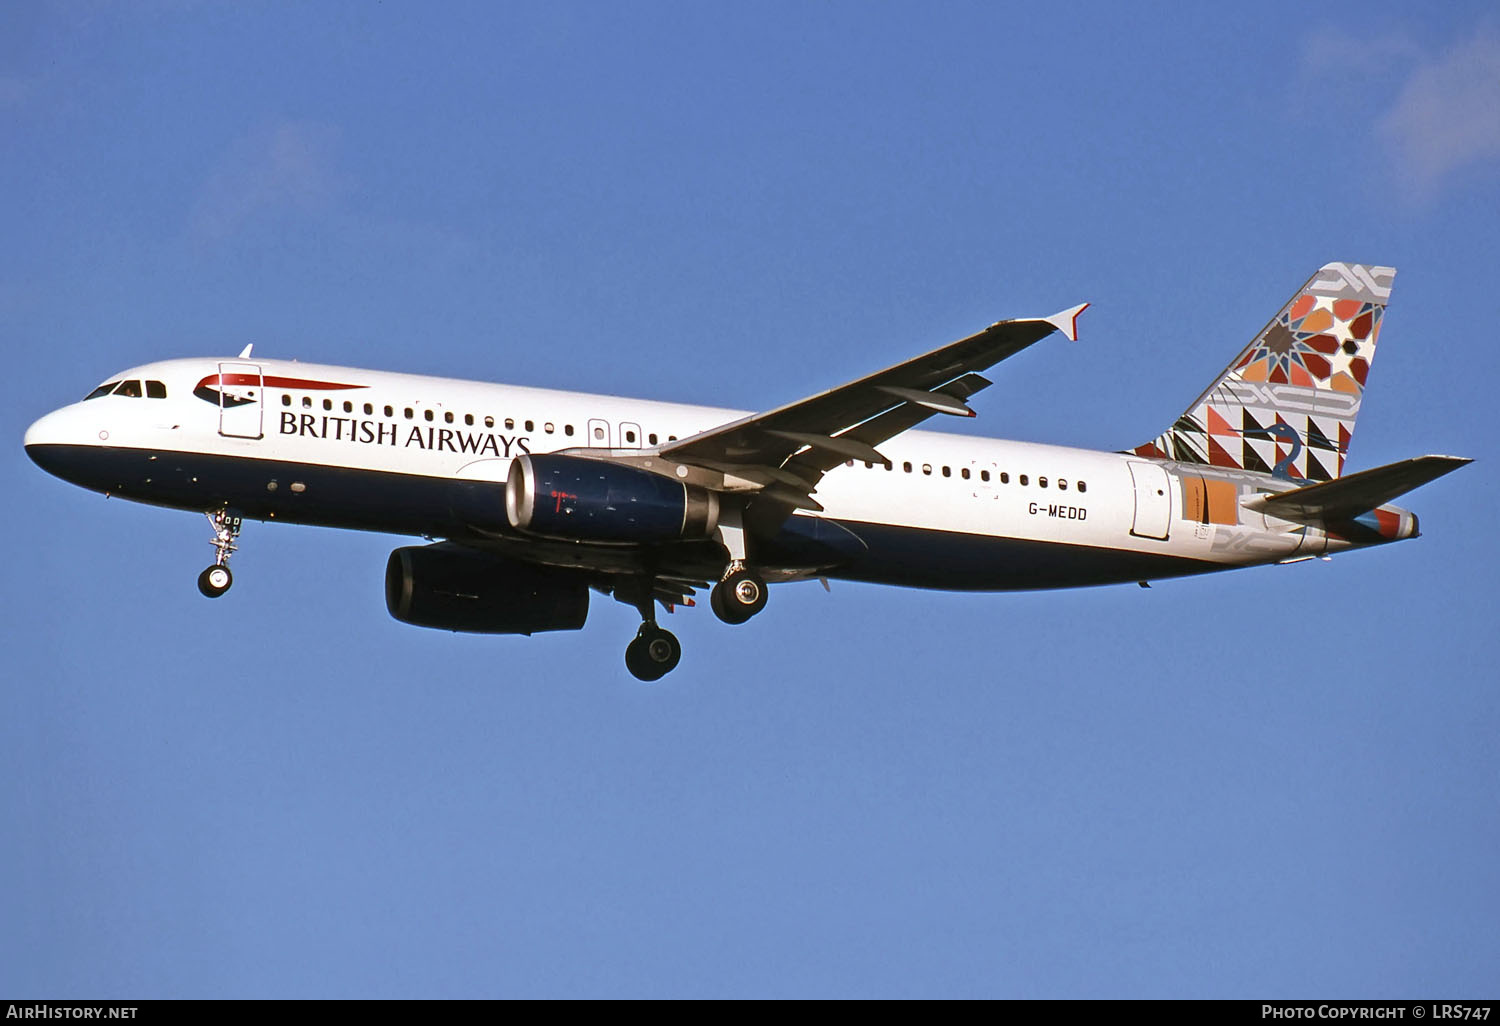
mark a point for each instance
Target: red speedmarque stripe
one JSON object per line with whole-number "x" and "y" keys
{"x": 270, "y": 381}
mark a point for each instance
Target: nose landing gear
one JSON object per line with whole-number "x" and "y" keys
{"x": 216, "y": 580}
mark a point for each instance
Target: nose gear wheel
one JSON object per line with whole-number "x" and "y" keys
{"x": 216, "y": 580}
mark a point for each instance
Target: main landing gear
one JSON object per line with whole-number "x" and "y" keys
{"x": 739, "y": 596}
{"x": 655, "y": 651}
{"x": 216, "y": 580}
{"x": 741, "y": 593}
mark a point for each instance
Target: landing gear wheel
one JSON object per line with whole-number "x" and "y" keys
{"x": 653, "y": 653}
{"x": 738, "y": 597}
{"x": 215, "y": 581}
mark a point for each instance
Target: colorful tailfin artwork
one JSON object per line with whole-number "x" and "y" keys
{"x": 1286, "y": 405}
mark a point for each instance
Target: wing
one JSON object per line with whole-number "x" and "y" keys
{"x": 785, "y": 452}
{"x": 770, "y": 464}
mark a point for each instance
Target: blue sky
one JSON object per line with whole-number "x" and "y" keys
{"x": 1280, "y": 781}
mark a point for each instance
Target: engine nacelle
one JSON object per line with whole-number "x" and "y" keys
{"x": 594, "y": 500}
{"x": 457, "y": 590}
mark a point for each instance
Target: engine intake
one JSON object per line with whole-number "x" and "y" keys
{"x": 594, "y": 500}
{"x": 455, "y": 589}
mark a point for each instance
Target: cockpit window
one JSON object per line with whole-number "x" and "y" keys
{"x": 129, "y": 388}
{"x": 156, "y": 390}
{"x": 104, "y": 389}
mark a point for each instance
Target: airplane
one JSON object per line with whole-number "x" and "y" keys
{"x": 532, "y": 498}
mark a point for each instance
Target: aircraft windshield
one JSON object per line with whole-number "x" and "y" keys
{"x": 130, "y": 389}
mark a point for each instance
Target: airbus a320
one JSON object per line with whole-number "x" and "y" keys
{"x": 542, "y": 497}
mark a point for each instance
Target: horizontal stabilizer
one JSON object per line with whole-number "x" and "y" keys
{"x": 1347, "y": 497}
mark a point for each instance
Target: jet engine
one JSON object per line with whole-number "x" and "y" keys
{"x": 455, "y": 589}
{"x": 585, "y": 499}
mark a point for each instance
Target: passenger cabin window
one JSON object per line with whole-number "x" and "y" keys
{"x": 947, "y": 472}
{"x": 469, "y": 419}
{"x": 369, "y": 410}
{"x": 547, "y": 427}
{"x": 427, "y": 414}
{"x": 964, "y": 473}
{"x": 1022, "y": 479}
{"x": 104, "y": 389}
{"x": 906, "y": 467}
{"x": 129, "y": 388}
{"x": 1082, "y": 487}
{"x": 630, "y": 437}
{"x": 1062, "y": 484}
{"x": 389, "y": 412}
{"x": 307, "y": 402}
{"x": 984, "y": 475}
{"x": 530, "y": 425}
{"x": 1005, "y": 477}
{"x": 448, "y": 417}
{"x": 286, "y": 400}
{"x": 651, "y": 438}
{"x": 489, "y": 422}
{"x": 156, "y": 390}
{"x": 1041, "y": 482}
{"x": 598, "y": 434}
{"x": 327, "y": 404}
{"x": 568, "y": 430}
{"x": 410, "y": 413}
{"x": 348, "y": 406}
{"x": 510, "y": 425}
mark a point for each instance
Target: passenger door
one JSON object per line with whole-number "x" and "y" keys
{"x": 241, "y": 389}
{"x": 1153, "y": 500}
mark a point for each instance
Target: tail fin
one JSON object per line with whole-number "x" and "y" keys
{"x": 1286, "y": 405}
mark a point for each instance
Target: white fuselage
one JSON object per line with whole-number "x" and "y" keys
{"x": 296, "y": 432}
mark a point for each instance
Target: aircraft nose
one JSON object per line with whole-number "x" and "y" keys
{"x": 43, "y": 430}
{"x": 48, "y": 441}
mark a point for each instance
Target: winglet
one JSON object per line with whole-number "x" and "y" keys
{"x": 1066, "y": 321}
{"x": 245, "y": 353}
